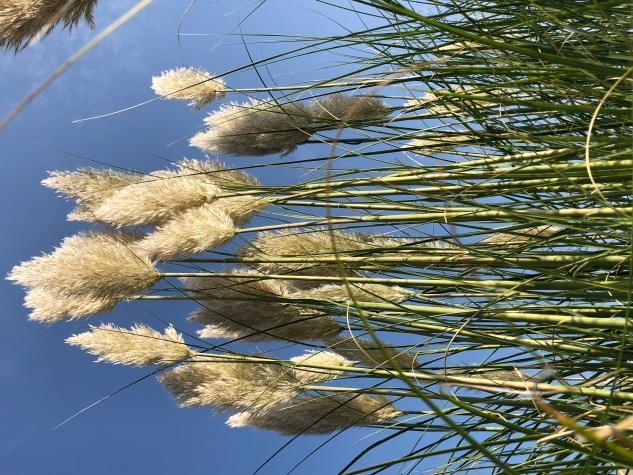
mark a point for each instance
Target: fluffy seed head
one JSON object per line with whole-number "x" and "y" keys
{"x": 50, "y": 307}
{"x": 312, "y": 245}
{"x": 308, "y": 414}
{"x": 347, "y": 108}
{"x": 136, "y": 346}
{"x": 216, "y": 172}
{"x": 195, "y": 230}
{"x": 96, "y": 264}
{"x": 242, "y": 208}
{"x": 155, "y": 199}
{"x": 319, "y": 375}
{"x": 22, "y": 21}
{"x": 252, "y": 308}
{"x": 230, "y": 386}
{"x": 195, "y": 85}
{"x": 89, "y": 187}
{"x": 255, "y": 128}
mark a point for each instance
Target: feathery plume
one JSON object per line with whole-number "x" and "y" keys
{"x": 156, "y": 199}
{"x": 216, "y": 172}
{"x": 242, "y": 208}
{"x": 230, "y": 386}
{"x": 522, "y": 236}
{"x": 22, "y": 21}
{"x": 312, "y": 245}
{"x": 51, "y": 307}
{"x": 88, "y": 187}
{"x": 228, "y": 310}
{"x": 319, "y": 375}
{"x": 367, "y": 352}
{"x": 310, "y": 414}
{"x": 255, "y": 128}
{"x": 139, "y": 345}
{"x": 347, "y": 108}
{"x": 195, "y": 230}
{"x": 196, "y": 85}
{"x": 95, "y": 264}
{"x": 360, "y": 292}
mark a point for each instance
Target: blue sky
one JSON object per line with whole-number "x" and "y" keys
{"x": 43, "y": 380}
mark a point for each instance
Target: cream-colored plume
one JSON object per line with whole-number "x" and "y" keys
{"x": 315, "y": 414}
{"x": 195, "y": 85}
{"x": 255, "y": 128}
{"x": 95, "y": 264}
{"x": 156, "y": 198}
{"x": 230, "y": 386}
{"x": 242, "y": 208}
{"x": 23, "y": 21}
{"x": 319, "y": 375}
{"x": 89, "y": 187}
{"x": 346, "y": 108}
{"x": 253, "y": 308}
{"x": 195, "y": 230}
{"x": 216, "y": 172}
{"x": 350, "y": 292}
{"x": 139, "y": 345}
{"x": 369, "y": 353}
{"x": 310, "y": 246}
{"x": 50, "y": 307}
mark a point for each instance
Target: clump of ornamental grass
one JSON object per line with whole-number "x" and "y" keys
{"x": 498, "y": 268}
{"x": 195, "y": 85}
{"x": 23, "y": 21}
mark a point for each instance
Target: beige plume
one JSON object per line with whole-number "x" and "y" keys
{"x": 139, "y": 345}
{"x": 322, "y": 358}
{"x": 96, "y": 264}
{"x": 255, "y": 128}
{"x": 348, "y": 108}
{"x": 230, "y": 386}
{"x": 309, "y": 414}
{"x": 254, "y": 308}
{"x": 156, "y": 198}
{"x": 195, "y": 230}
{"x": 22, "y": 21}
{"x": 89, "y": 187}
{"x": 50, "y": 307}
{"x": 195, "y": 85}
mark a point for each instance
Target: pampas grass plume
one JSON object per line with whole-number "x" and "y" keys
{"x": 195, "y": 85}
{"x": 322, "y": 358}
{"x": 309, "y": 414}
{"x": 255, "y": 128}
{"x": 96, "y": 264}
{"x": 195, "y": 230}
{"x": 230, "y": 386}
{"x": 139, "y": 345}
{"x": 51, "y": 307}
{"x": 22, "y": 21}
